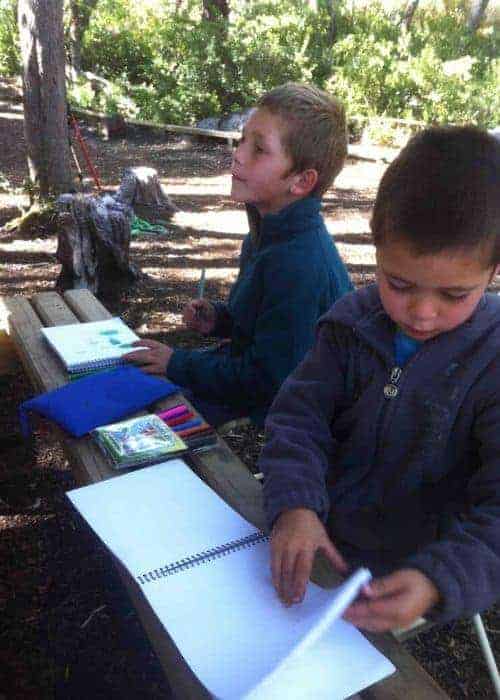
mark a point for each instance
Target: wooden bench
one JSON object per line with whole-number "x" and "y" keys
{"x": 21, "y": 319}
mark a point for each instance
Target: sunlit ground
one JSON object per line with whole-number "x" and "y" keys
{"x": 214, "y": 226}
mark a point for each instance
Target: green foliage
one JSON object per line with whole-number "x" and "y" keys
{"x": 380, "y": 69}
{"x": 102, "y": 96}
{"x": 120, "y": 42}
{"x": 177, "y": 67}
{"x": 183, "y": 68}
{"x": 173, "y": 66}
{"x": 370, "y": 75}
{"x": 10, "y": 63}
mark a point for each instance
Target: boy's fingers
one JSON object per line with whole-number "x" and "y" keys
{"x": 367, "y": 591}
{"x": 367, "y": 620}
{"x": 392, "y": 604}
{"x": 276, "y": 568}
{"x": 301, "y": 574}
{"x": 286, "y": 577}
{"x": 378, "y": 616}
{"x": 334, "y": 556}
{"x": 137, "y": 356}
{"x": 386, "y": 586}
{"x": 144, "y": 343}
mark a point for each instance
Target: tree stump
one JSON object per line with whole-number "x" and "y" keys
{"x": 94, "y": 232}
{"x": 141, "y": 189}
{"x": 93, "y": 244}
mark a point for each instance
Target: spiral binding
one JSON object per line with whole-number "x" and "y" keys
{"x": 203, "y": 557}
{"x": 90, "y": 365}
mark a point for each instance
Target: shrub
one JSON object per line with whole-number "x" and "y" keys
{"x": 103, "y": 96}
{"x": 10, "y": 63}
{"x": 176, "y": 67}
{"x": 379, "y": 69}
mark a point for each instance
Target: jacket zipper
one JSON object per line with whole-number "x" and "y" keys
{"x": 391, "y": 391}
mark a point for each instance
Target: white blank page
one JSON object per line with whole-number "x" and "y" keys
{"x": 224, "y": 615}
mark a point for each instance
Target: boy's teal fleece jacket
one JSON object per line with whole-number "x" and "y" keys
{"x": 290, "y": 274}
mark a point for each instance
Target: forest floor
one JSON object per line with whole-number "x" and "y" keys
{"x": 68, "y": 628}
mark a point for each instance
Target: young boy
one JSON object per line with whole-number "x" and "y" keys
{"x": 384, "y": 444}
{"x": 292, "y": 148}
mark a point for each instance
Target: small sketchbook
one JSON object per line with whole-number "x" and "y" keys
{"x": 138, "y": 442}
{"x": 86, "y": 347}
{"x": 205, "y": 571}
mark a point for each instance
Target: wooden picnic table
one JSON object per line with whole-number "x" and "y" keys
{"x": 219, "y": 467}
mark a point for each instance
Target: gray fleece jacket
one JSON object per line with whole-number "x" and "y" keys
{"x": 403, "y": 464}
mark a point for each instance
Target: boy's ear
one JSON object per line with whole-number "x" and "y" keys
{"x": 304, "y": 183}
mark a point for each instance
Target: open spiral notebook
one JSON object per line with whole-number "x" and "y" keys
{"x": 205, "y": 572}
{"x": 86, "y": 347}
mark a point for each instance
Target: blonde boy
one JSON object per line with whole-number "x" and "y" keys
{"x": 292, "y": 147}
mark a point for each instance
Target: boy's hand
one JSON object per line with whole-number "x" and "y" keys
{"x": 297, "y": 535}
{"x": 199, "y": 315}
{"x": 153, "y": 360}
{"x": 393, "y": 601}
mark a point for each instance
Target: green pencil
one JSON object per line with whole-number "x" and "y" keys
{"x": 201, "y": 284}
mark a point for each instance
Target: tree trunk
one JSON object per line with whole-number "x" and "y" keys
{"x": 214, "y": 10}
{"x": 409, "y": 12}
{"x": 81, "y": 11}
{"x": 75, "y": 34}
{"x": 217, "y": 13}
{"x": 478, "y": 8}
{"x": 332, "y": 25}
{"x": 44, "y": 95}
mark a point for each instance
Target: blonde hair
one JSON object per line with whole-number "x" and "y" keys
{"x": 315, "y": 133}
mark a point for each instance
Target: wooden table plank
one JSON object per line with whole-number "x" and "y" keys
{"x": 52, "y": 309}
{"x": 219, "y": 467}
{"x": 85, "y": 305}
{"x": 42, "y": 367}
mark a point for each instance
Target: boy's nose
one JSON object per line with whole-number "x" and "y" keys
{"x": 238, "y": 153}
{"x": 423, "y": 309}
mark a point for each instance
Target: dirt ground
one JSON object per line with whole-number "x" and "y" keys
{"x": 68, "y": 628}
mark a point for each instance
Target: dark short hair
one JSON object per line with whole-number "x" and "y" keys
{"x": 442, "y": 191}
{"x": 315, "y": 133}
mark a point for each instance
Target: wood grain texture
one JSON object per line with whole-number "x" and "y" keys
{"x": 9, "y": 361}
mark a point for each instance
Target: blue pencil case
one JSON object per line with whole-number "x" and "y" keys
{"x": 105, "y": 397}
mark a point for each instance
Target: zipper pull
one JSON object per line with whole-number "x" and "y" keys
{"x": 391, "y": 390}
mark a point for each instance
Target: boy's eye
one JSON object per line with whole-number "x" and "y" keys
{"x": 258, "y": 149}
{"x": 455, "y": 296}
{"x": 398, "y": 285}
